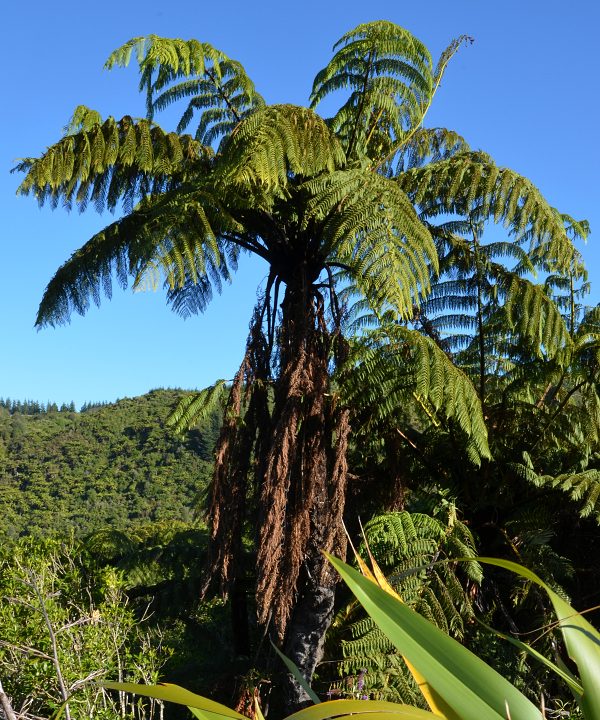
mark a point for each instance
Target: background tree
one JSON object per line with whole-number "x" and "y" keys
{"x": 329, "y": 205}
{"x": 531, "y": 350}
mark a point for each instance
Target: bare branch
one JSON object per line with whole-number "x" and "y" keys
{"x": 7, "y": 709}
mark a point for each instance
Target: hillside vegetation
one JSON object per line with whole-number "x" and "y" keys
{"x": 63, "y": 471}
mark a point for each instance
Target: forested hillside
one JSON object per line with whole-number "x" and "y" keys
{"x": 108, "y": 465}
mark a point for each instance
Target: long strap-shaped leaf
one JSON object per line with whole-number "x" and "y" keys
{"x": 369, "y": 709}
{"x": 466, "y": 684}
{"x": 205, "y": 709}
{"x": 436, "y": 703}
{"x": 179, "y": 695}
{"x": 581, "y": 639}
{"x": 563, "y": 673}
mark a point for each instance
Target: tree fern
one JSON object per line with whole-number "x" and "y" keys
{"x": 354, "y": 207}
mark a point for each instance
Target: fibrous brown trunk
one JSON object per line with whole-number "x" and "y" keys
{"x": 299, "y": 470}
{"x": 304, "y": 468}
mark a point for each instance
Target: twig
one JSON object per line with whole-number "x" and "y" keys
{"x": 55, "y": 660}
{"x": 25, "y": 650}
{"x": 9, "y": 713}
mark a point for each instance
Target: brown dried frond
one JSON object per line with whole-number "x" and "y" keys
{"x": 227, "y": 493}
{"x": 334, "y": 539}
{"x": 274, "y": 496}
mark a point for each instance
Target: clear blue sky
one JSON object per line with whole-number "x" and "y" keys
{"x": 527, "y": 92}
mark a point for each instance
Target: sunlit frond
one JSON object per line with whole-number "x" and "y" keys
{"x": 195, "y": 408}
{"x": 275, "y": 144}
{"x": 108, "y": 163}
{"x": 370, "y": 227}
{"x": 470, "y": 184}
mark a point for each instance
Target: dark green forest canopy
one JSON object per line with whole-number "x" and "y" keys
{"x": 109, "y": 465}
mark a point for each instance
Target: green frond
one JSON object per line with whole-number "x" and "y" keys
{"x": 222, "y": 99}
{"x": 535, "y": 317}
{"x": 172, "y": 70}
{"x": 583, "y": 488}
{"x": 274, "y": 145}
{"x": 195, "y": 408}
{"x": 163, "y": 60}
{"x": 369, "y": 226}
{"x": 387, "y": 44}
{"x": 110, "y": 162}
{"x": 395, "y": 365}
{"x": 469, "y": 184}
{"x": 171, "y": 237}
{"x": 390, "y": 77}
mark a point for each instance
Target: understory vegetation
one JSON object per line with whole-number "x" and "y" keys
{"x": 420, "y": 381}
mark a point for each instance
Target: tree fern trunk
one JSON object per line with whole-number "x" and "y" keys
{"x": 297, "y": 454}
{"x": 304, "y": 485}
{"x": 310, "y": 620}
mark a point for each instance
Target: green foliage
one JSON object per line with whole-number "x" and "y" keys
{"x": 369, "y": 217}
{"x": 173, "y": 70}
{"x": 112, "y": 465}
{"x": 391, "y": 79}
{"x": 198, "y": 408}
{"x": 397, "y": 367}
{"x": 108, "y": 162}
{"x": 471, "y": 185}
{"x": 456, "y": 684}
{"x": 583, "y": 487}
{"x": 271, "y": 148}
{"x": 378, "y": 240}
{"x": 408, "y": 548}
{"x": 64, "y": 626}
{"x": 317, "y": 183}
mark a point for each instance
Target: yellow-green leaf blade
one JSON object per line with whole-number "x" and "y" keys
{"x": 178, "y": 695}
{"x": 371, "y": 709}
